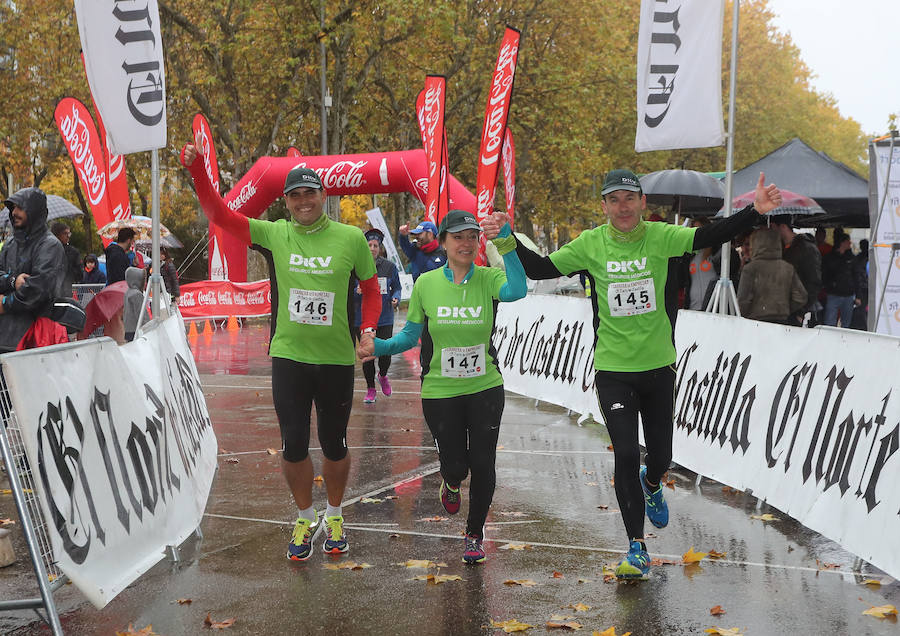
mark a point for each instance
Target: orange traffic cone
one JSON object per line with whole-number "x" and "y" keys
{"x": 207, "y": 328}
{"x": 192, "y": 330}
{"x": 232, "y": 324}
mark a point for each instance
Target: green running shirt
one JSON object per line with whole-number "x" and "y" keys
{"x": 629, "y": 279}
{"x": 457, "y": 355}
{"x": 311, "y": 269}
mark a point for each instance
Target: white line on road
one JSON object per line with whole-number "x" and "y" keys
{"x": 538, "y": 544}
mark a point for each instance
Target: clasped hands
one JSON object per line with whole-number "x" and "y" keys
{"x": 493, "y": 224}
{"x": 365, "y": 349}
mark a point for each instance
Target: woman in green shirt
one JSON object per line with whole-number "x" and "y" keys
{"x": 452, "y": 309}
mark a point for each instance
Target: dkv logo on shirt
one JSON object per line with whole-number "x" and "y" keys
{"x": 458, "y": 312}
{"x": 626, "y": 266}
{"x": 313, "y": 262}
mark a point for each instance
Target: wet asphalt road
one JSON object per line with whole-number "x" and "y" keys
{"x": 553, "y": 494}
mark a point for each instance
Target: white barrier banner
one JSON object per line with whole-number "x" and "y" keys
{"x": 679, "y": 75}
{"x": 884, "y": 261}
{"x": 806, "y": 418}
{"x": 376, "y": 218}
{"x": 123, "y": 58}
{"x": 123, "y": 452}
{"x": 545, "y": 348}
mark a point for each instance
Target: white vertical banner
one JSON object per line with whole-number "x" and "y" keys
{"x": 884, "y": 261}
{"x": 123, "y": 57}
{"x": 679, "y": 75}
{"x": 376, "y": 219}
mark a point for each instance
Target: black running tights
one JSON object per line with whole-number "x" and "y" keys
{"x": 465, "y": 429}
{"x": 622, "y": 396}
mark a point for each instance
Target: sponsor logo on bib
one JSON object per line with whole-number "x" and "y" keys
{"x": 313, "y": 262}
{"x": 458, "y": 312}
{"x": 627, "y": 266}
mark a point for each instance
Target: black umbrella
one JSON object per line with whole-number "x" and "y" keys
{"x": 57, "y": 208}
{"x": 685, "y": 191}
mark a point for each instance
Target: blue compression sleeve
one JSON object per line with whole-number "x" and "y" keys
{"x": 515, "y": 286}
{"x": 402, "y": 341}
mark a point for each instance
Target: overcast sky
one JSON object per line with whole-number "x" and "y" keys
{"x": 852, "y": 52}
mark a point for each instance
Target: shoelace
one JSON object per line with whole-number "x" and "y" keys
{"x": 335, "y": 529}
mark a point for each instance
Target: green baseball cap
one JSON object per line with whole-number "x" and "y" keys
{"x": 302, "y": 178}
{"x": 620, "y": 180}
{"x": 457, "y": 221}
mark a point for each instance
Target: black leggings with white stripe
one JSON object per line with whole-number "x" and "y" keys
{"x": 622, "y": 396}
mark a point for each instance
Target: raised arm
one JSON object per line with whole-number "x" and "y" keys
{"x": 498, "y": 231}
{"x": 210, "y": 202}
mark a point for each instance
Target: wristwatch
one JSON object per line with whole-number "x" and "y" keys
{"x": 369, "y": 330}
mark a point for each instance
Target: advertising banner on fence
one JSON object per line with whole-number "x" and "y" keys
{"x": 545, "y": 348}
{"x": 884, "y": 254}
{"x": 123, "y": 57}
{"x": 679, "y": 75}
{"x": 123, "y": 452}
{"x": 806, "y": 418}
{"x": 222, "y": 298}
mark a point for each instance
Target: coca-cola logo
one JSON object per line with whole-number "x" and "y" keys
{"x": 91, "y": 169}
{"x": 206, "y": 151}
{"x": 498, "y": 104}
{"x": 187, "y": 300}
{"x": 342, "y": 174}
{"x": 256, "y": 298}
{"x": 242, "y": 197}
{"x": 240, "y": 298}
{"x": 206, "y": 298}
{"x": 224, "y": 298}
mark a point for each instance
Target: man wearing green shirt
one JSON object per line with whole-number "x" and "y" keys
{"x": 311, "y": 261}
{"x": 626, "y": 262}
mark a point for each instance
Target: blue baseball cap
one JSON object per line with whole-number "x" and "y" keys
{"x": 423, "y": 226}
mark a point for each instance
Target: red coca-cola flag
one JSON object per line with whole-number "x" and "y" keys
{"x": 114, "y": 165}
{"x": 492, "y": 135}
{"x": 509, "y": 175}
{"x": 444, "y": 200}
{"x": 217, "y": 266}
{"x": 434, "y": 141}
{"x": 83, "y": 143}
{"x": 293, "y": 152}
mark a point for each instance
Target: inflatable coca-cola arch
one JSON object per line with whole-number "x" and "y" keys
{"x": 372, "y": 173}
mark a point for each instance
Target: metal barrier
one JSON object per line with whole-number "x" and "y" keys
{"x": 21, "y": 482}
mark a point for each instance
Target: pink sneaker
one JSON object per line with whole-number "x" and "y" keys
{"x": 385, "y": 384}
{"x": 370, "y": 396}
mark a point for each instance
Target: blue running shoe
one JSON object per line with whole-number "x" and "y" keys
{"x": 305, "y": 532}
{"x": 335, "y": 541}
{"x": 655, "y": 505}
{"x": 474, "y": 550}
{"x": 635, "y": 565}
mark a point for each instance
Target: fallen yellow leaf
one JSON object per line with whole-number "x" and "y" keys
{"x": 765, "y": 517}
{"x": 318, "y": 478}
{"x": 693, "y": 557}
{"x": 434, "y": 519}
{"x": 717, "y": 610}
{"x": 561, "y": 617}
{"x": 370, "y": 500}
{"x": 436, "y": 579}
{"x": 556, "y": 575}
{"x": 522, "y": 582}
{"x": 515, "y": 546}
{"x": 722, "y": 631}
{"x": 572, "y": 625}
{"x": 146, "y": 631}
{"x": 347, "y": 565}
{"x": 512, "y": 625}
{"x": 584, "y": 581}
{"x": 881, "y": 611}
{"x": 421, "y": 563}
{"x": 184, "y": 601}
{"x": 271, "y": 451}
{"x": 713, "y": 554}
{"x": 872, "y": 582}
{"x": 608, "y": 632}
{"x": 579, "y": 607}
{"x": 6, "y": 522}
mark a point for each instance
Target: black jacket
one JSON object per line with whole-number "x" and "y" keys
{"x": 806, "y": 258}
{"x": 839, "y": 273}
{"x": 32, "y": 250}
{"x": 116, "y": 263}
